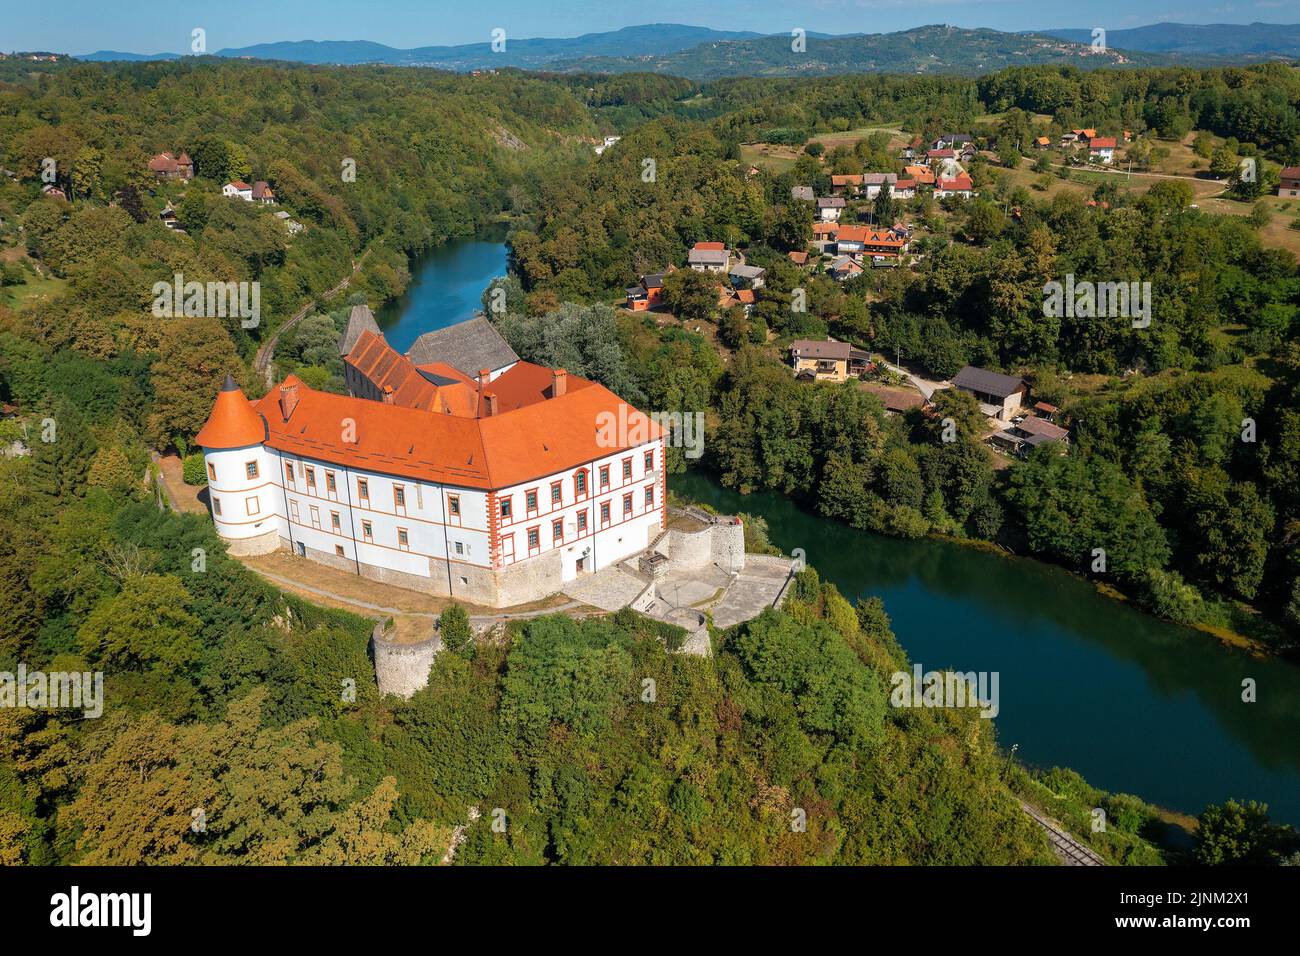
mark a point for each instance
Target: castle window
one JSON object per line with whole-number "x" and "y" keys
{"x": 580, "y": 484}
{"x": 649, "y": 497}
{"x": 252, "y": 505}
{"x": 212, "y": 472}
{"x": 293, "y": 509}
{"x": 505, "y": 507}
{"x": 649, "y": 461}
{"x": 363, "y": 490}
{"x": 288, "y": 472}
{"x": 310, "y": 472}
{"x": 460, "y": 547}
{"x": 335, "y": 525}
{"x": 604, "y": 476}
{"x": 530, "y": 501}
{"x": 627, "y": 469}
{"x": 534, "y": 539}
{"x": 216, "y": 506}
{"x": 399, "y": 496}
{"x": 453, "y": 505}
{"x": 338, "y": 549}
{"x": 627, "y": 505}
{"x": 403, "y": 542}
{"x": 556, "y": 494}
{"x": 329, "y": 482}
{"x": 315, "y": 516}
{"x": 582, "y": 520}
{"x": 367, "y": 531}
{"x": 604, "y": 513}
{"x": 250, "y": 468}
{"x": 557, "y": 530}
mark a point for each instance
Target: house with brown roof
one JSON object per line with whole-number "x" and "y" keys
{"x": 848, "y": 184}
{"x": 1289, "y": 182}
{"x": 959, "y": 185}
{"x": 262, "y": 193}
{"x": 826, "y": 360}
{"x": 999, "y": 395}
{"x": 167, "y": 166}
{"x": 1026, "y": 435}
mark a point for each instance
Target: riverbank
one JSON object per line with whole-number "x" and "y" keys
{"x": 1135, "y": 704}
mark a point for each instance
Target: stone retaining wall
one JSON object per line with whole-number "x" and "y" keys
{"x": 402, "y": 669}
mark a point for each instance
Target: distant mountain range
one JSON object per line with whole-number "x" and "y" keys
{"x": 703, "y": 54}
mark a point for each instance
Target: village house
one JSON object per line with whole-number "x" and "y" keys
{"x": 1027, "y": 434}
{"x": 950, "y": 141}
{"x": 959, "y": 185}
{"x": 913, "y": 148}
{"x": 731, "y": 298}
{"x": 1043, "y": 142}
{"x": 802, "y": 192}
{"x": 873, "y": 183}
{"x": 845, "y": 267}
{"x": 1102, "y": 149}
{"x": 904, "y": 189}
{"x": 709, "y": 257}
{"x": 754, "y": 276}
{"x": 921, "y": 175}
{"x": 862, "y": 241}
{"x": 999, "y": 395}
{"x": 291, "y": 224}
{"x": 262, "y": 193}
{"x": 167, "y": 166}
{"x": 798, "y": 258}
{"x": 826, "y": 360}
{"x": 829, "y": 208}
{"x": 938, "y": 157}
{"x": 1289, "y": 182}
{"x": 238, "y": 189}
{"x": 168, "y": 217}
{"x": 492, "y": 491}
{"x": 1045, "y": 410}
{"x": 647, "y": 294}
{"x": 846, "y": 185}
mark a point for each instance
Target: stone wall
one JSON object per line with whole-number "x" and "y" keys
{"x": 721, "y": 543}
{"x": 402, "y": 669}
{"x": 246, "y": 547}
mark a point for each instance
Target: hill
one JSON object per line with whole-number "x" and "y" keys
{"x": 1237, "y": 40}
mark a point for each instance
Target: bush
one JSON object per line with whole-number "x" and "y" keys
{"x": 193, "y": 469}
{"x": 457, "y": 637}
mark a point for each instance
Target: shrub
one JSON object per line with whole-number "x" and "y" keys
{"x": 456, "y": 634}
{"x": 193, "y": 469}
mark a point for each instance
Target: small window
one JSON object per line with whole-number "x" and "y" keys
{"x": 403, "y": 541}
{"x": 557, "y": 530}
{"x": 505, "y": 507}
{"x": 216, "y": 505}
{"x": 534, "y": 538}
{"x": 627, "y": 469}
{"x": 363, "y": 489}
{"x": 453, "y": 502}
{"x": 310, "y": 472}
{"x": 212, "y": 472}
{"x": 649, "y": 461}
{"x": 288, "y": 472}
{"x": 250, "y": 468}
{"x": 627, "y": 505}
{"x": 556, "y": 495}
{"x": 329, "y": 481}
{"x": 335, "y": 525}
{"x": 460, "y": 547}
{"x": 338, "y": 549}
{"x": 293, "y": 508}
{"x": 604, "y": 476}
{"x": 650, "y": 496}
{"x": 399, "y": 496}
{"x": 530, "y": 500}
{"x": 367, "y": 531}
{"x": 580, "y": 483}
{"x": 252, "y": 505}
{"x": 315, "y": 516}
{"x": 604, "y": 512}
{"x": 582, "y": 520}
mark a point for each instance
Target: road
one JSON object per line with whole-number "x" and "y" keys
{"x": 266, "y": 354}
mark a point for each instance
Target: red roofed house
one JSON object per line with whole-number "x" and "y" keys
{"x": 1289, "y": 182}
{"x": 846, "y": 185}
{"x": 491, "y": 490}
{"x": 167, "y": 166}
{"x": 1102, "y": 148}
{"x": 959, "y": 185}
{"x": 938, "y": 156}
{"x": 237, "y": 189}
{"x": 859, "y": 241}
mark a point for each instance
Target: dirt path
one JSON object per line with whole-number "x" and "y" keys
{"x": 266, "y": 354}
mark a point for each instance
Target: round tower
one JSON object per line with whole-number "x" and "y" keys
{"x": 243, "y": 489}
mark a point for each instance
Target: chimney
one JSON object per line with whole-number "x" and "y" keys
{"x": 387, "y": 396}
{"x": 559, "y": 382}
{"x": 288, "y": 400}
{"x": 489, "y": 404}
{"x": 483, "y": 375}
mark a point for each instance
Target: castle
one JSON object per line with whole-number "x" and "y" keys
{"x": 455, "y": 469}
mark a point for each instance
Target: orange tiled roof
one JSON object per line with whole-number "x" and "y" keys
{"x": 922, "y": 174}
{"x": 538, "y": 439}
{"x": 848, "y": 179}
{"x": 234, "y": 422}
{"x": 709, "y": 246}
{"x": 867, "y": 235}
{"x": 957, "y": 183}
{"x": 389, "y": 369}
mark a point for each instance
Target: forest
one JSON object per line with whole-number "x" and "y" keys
{"x": 258, "y": 714}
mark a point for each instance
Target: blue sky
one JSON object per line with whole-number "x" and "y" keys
{"x": 82, "y": 26}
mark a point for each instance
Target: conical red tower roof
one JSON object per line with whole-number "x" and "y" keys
{"x": 234, "y": 423}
